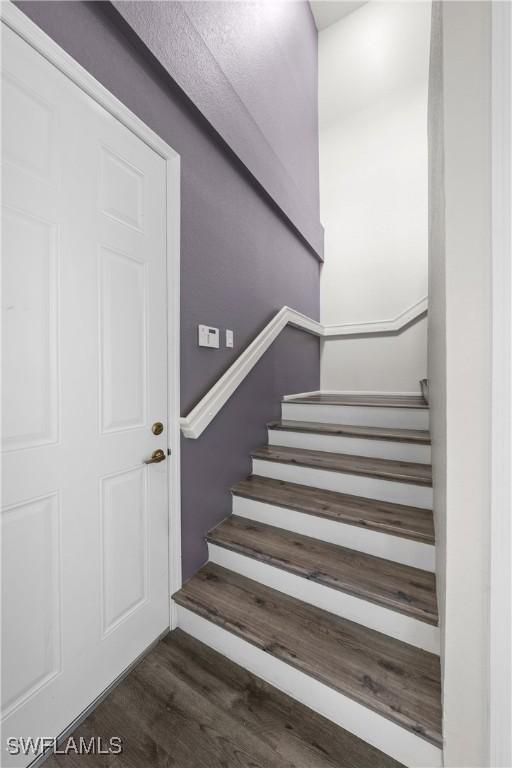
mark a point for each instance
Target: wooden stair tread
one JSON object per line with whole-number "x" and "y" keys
{"x": 386, "y": 469}
{"x": 395, "y": 679}
{"x": 371, "y": 433}
{"x": 377, "y": 401}
{"x": 384, "y": 516}
{"x": 410, "y": 591}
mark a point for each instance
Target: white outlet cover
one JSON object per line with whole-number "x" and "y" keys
{"x": 229, "y": 338}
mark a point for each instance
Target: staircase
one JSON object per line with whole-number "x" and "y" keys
{"x": 321, "y": 581}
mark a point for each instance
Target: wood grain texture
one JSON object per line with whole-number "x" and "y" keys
{"x": 384, "y": 516}
{"x": 386, "y": 469}
{"x": 396, "y": 680}
{"x": 377, "y": 401}
{"x": 408, "y": 590}
{"x": 417, "y": 436}
{"x": 187, "y": 706}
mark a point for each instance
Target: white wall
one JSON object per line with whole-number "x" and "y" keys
{"x": 373, "y": 79}
{"x": 381, "y": 363}
{"x": 460, "y": 363}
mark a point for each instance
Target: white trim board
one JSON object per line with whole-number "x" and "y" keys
{"x": 372, "y": 615}
{"x": 378, "y": 488}
{"x": 351, "y": 444}
{"x": 196, "y": 421}
{"x": 392, "y": 325}
{"x": 376, "y": 730}
{"x": 19, "y": 23}
{"x": 500, "y": 645}
{"x": 356, "y": 415}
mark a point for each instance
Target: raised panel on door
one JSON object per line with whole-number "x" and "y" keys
{"x": 28, "y": 128}
{"x": 31, "y": 599}
{"x": 123, "y": 342}
{"x": 124, "y": 524}
{"x": 30, "y": 386}
{"x": 121, "y": 189}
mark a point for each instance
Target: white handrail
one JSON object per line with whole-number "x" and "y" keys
{"x": 194, "y": 424}
{"x": 208, "y": 407}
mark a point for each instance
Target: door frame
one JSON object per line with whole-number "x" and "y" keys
{"x": 500, "y": 637}
{"x": 19, "y": 23}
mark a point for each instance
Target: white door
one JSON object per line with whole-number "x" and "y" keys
{"x": 84, "y": 520}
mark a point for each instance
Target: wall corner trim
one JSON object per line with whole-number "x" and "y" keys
{"x": 500, "y": 611}
{"x": 196, "y": 421}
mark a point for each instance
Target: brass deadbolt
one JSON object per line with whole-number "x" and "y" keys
{"x": 157, "y": 428}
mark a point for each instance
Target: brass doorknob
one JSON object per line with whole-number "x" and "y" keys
{"x": 156, "y": 457}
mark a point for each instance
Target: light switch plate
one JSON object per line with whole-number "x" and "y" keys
{"x": 208, "y": 336}
{"x": 229, "y": 338}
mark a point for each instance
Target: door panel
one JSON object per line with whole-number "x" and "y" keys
{"x": 31, "y": 576}
{"x": 28, "y": 129}
{"x": 30, "y": 415}
{"x": 121, "y": 190}
{"x": 123, "y": 371}
{"x": 124, "y": 514}
{"x": 84, "y": 519}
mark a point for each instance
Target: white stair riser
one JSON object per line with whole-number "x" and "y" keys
{"x": 358, "y": 485}
{"x": 357, "y": 446}
{"x": 395, "y": 548}
{"x": 390, "y": 738}
{"x": 377, "y": 617}
{"x": 357, "y": 415}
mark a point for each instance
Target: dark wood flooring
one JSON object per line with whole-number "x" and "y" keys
{"x": 408, "y": 590}
{"x": 370, "y": 433}
{"x": 379, "y": 401}
{"x": 397, "y": 680}
{"x": 384, "y": 516}
{"x": 186, "y": 706}
{"x": 386, "y": 469}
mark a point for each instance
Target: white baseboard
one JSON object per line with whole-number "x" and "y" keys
{"x": 377, "y": 617}
{"x": 396, "y": 450}
{"x": 394, "y": 548}
{"x": 390, "y": 738}
{"x": 341, "y": 482}
{"x": 303, "y": 394}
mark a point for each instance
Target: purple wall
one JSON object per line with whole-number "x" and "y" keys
{"x": 241, "y": 258}
{"x": 251, "y": 69}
